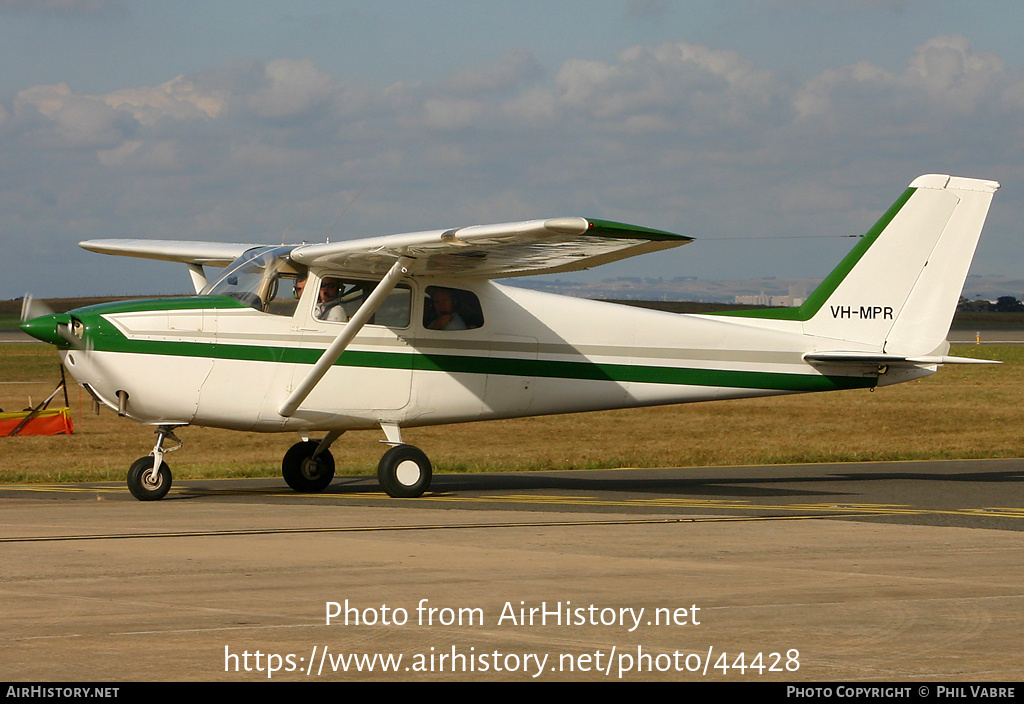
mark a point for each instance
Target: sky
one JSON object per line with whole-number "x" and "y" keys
{"x": 766, "y": 129}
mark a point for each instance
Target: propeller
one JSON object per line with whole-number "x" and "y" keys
{"x": 32, "y": 307}
{"x": 41, "y": 322}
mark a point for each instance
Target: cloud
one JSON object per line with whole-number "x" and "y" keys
{"x": 179, "y": 98}
{"x": 944, "y": 79}
{"x": 508, "y": 71}
{"x": 291, "y": 88}
{"x": 952, "y": 76}
{"x": 74, "y": 121}
{"x": 678, "y": 136}
{"x": 673, "y": 86}
{"x": 48, "y": 100}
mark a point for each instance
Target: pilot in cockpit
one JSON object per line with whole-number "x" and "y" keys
{"x": 328, "y": 306}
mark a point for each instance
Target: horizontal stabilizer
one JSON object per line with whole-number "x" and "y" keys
{"x": 889, "y": 359}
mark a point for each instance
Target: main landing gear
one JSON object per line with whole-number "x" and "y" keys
{"x": 404, "y": 471}
{"x": 308, "y": 466}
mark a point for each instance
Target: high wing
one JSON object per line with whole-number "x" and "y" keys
{"x": 201, "y": 253}
{"x": 507, "y": 249}
{"x": 194, "y": 255}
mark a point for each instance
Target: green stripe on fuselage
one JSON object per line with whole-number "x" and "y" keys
{"x": 106, "y": 337}
{"x": 111, "y": 340}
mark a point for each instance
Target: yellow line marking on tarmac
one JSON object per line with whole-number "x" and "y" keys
{"x": 64, "y": 489}
{"x": 734, "y": 505}
{"x": 850, "y": 509}
{"x": 1001, "y": 512}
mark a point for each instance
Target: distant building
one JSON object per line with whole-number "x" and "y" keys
{"x": 760, "y": 300}
{"x": 774, "y": 301}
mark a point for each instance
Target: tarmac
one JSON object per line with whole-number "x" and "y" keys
{"x": 878, "y": 572}
{"x": 894, "y": 572}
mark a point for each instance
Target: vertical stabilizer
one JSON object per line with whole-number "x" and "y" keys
{"x": 898, "y": 288}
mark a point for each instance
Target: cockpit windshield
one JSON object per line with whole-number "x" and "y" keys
{"x": 256, "y": 278}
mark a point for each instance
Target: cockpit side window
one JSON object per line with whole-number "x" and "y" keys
{"x": 339, "y": 297}
{"x": 284, "y": 297}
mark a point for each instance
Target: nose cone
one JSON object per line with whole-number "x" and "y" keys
{"x": 46, "y": 328}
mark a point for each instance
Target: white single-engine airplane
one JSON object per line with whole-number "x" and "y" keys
{"x": 410, "y": 330}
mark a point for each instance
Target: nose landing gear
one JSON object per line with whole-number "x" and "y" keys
{"x": 142, "y": 482}
{"x": 149, "y": 478}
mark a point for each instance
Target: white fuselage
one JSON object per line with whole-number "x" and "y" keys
{"x": 535, "y": 354}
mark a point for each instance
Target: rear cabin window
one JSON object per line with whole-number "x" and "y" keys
{"x": 451, "y": 309}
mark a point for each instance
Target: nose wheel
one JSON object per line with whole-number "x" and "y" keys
{"x": 149, "y": 478}
{"x": 144, "y": 483}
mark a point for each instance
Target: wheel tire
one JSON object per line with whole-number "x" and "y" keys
{"x": 404, "y": 472}
{"x": 140, "y": 484}
{"x": 304, "y": 474}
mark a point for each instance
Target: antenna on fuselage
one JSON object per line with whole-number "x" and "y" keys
{"x": 345, "y": 210}
{"x": 288, "y": 229}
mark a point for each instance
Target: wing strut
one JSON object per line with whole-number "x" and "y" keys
{"x": 198, "y": 275}
{"x": 354, "y": 325}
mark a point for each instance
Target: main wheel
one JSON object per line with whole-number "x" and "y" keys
{"x": 302, "y": 472}
{"x": 141, "y": 482}
{"x": 404, "y": 472}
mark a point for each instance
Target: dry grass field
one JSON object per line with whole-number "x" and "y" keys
{"x": 964, "y": 411}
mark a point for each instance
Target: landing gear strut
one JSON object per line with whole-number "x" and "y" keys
{"x": 308, "y": 466}
{"x": 404, "y": 471}
{"x": 149, "y": 478}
